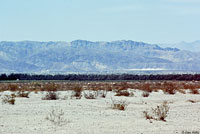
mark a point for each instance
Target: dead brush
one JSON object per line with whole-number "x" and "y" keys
{"x": 147, "y": 116}
{"x": 77, "y": 92}
{"x": 124, "y": 93}
{"x": 90, "y": 95}
{"x": 123, "y": 86}
{"x": 119, "y": 105}
{"x": 102, "y": 93}
{"x": 50, "y": 87}
{"x": 146, "y": 87}
{"x": 169, "y": 88}
{"x": 159, "y": 113}
{"x": 51, "y": 95}
{"x": 145, "y": 94}
{"x": 194, "y": 91}
{"x": 13, "y": 87}
{"x": 22, "y": 94}
{"x": 56, "y": 116}
{"x": 10, "y": 99}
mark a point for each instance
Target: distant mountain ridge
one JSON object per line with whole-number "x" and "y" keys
{"x": 88, "y": 56}
{"x": 189, "y": 46}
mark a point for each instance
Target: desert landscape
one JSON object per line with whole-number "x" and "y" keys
{"x": 139, "y": 107}
{"x": 99, "y": 67}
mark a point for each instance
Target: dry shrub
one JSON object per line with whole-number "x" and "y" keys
{"x": 169, "y": 88}
{"x": 119, "y": 105}
{"x": 102, "y": 93}
{"x": 190, "y": 85}
{"x": 50, "y": 95}
{"x": 22, "y": 94}
{"x": 158, "y": 113}
{"x": 56, "y": 116}
{"x": 36, "y": 91}
{"x": 146, "y": 87}
{"x": 50, "y": 87}
{"x": 108, "y": 87}
{"x": 123, "y": 93}
{"x": 10, "y": 99}
{"x": 194, "y": 91}
{"x": 77, "y": 92}
{"x": 90, "y": 95}
{"x": 13, "y": 87}
{"x": 145, "y": 94}
{"x": 121, "y": 86}
{"x": 36, "y": 84}
{"x": 147, "y": 116}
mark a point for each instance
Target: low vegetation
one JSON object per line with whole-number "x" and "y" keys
{"x": 9, "y": 99}
{"x": 22, "y": 94}
{"x": 90, "y": 94}
{"x": 102, "y": 93}
{"x": 124, "y": 93}
{"x": 51, "y": 95}
{"x": 145, "y": 94}
{"x": 119, "y": 104}
{"x": 168, "y": 87}
{"x": 194, "y": 91}
{"x": 159, "y": 113}
{"x": 57, "y": 117}
{"x": 77, "y": 92}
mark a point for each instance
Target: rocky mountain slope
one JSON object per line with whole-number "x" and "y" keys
{"x": 87, "y": 56}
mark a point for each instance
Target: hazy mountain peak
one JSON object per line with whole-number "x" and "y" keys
{"x": 84, "y": 56}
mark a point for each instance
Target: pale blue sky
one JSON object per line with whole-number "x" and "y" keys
{"x": 152, "y": 21}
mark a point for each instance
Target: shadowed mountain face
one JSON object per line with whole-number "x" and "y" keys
{"x": 84, "y": 56}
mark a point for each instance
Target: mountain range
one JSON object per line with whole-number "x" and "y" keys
{"x": 189, "y": 46}
{"x": 88, "y": 56}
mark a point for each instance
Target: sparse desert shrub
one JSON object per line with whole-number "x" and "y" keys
{"x": 194, "y": 91}
{"x": 77, "y": 92}
{"x": 36, "y": 91}
{"x": 170, "y": 91}
{"x": 119, "y": 105}
{"x": 90, "y": 95}
{"x": 145, "y": 94}
{"x": 146, "y": 87}
{"x": 22, "y": 94}
{"x": 147, "y": 116}
{"x": 10, "y": 99}
{"x": 102, "y": 93}
{"x": 50, "y": 87}
{"x": 51, "y": 95}
{"x": 123, "y": 93}
{"x": 36, "y": 84}
{"x": 169, "y": 88}
{"x": 158, "y": 113}
{"x": 123, "y": 86}
{"x": 12, "y": 87}
{"x": 108, "y": 87}
{"x": 56, "y": 116}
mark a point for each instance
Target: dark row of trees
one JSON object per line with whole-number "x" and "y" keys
{"x": 96, "y": 77}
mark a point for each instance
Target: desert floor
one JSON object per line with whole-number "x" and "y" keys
{"x": 96, "y": 116}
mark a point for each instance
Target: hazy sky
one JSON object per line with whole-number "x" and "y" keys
{"x": 152, "y": 21}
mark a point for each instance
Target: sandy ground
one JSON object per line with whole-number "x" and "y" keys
{"x": 95, "y": 116}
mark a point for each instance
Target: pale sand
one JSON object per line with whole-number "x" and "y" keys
{"x": 85, "y": 116}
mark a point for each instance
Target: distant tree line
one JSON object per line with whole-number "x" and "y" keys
{"x": 96, "y": 77}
